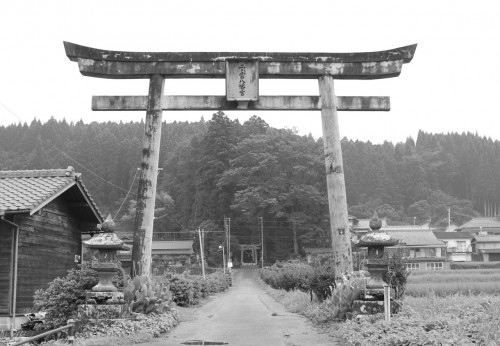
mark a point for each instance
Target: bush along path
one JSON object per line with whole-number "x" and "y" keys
{"x": 151, "y": 305}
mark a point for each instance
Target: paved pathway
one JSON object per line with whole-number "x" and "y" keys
{"x": 245, "y": 315}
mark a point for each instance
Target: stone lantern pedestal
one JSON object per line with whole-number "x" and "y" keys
{"x": 104, "y": 298}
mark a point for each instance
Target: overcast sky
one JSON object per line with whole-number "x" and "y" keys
{"x": 451, "y": 85}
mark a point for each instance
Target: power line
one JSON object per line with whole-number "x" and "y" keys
{"x": 88, "y": 170}
{"x": 131, "y": 185}
{"x": 67, "y": 155}
{"x": 11, "y": 112}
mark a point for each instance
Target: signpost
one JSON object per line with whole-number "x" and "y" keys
{"x": 242, "y": 71}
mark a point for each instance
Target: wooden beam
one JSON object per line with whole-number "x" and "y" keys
{"x": 75, "y": 51}
{"x": 265, "y": 103}
{"x": 217, "y": 69}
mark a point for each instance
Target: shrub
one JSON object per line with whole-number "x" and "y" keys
{"x": 288, "y": 276}
{"x": 318, "y": 279}
{"x": 146, "y": 295}
{"x": 138, "y": 326}
{"x": 185, "y": 290}
{"x": 397, "y": 273}
{"x": 189, "y": 289}
{"x": 63, "y": 295}
{"x": 322, "y": 281}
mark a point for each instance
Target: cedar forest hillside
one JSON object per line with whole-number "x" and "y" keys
{"x": 221, "y": 168}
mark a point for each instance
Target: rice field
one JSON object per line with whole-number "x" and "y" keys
{"x": 446, "y": 282}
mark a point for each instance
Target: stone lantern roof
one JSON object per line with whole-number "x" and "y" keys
{"x": 108, "y": 241}
{"x": 376, "y": 237}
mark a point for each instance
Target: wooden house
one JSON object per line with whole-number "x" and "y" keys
{"x": 458, "y": 245}
{"x": 42, "y": 216}
{"x": 486, "y": 248}
{"x": 166, "y": 254}
{"x": 422, "y": 249}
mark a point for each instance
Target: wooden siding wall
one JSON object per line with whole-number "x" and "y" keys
{"x": 48, "y": 243}
{"x": 6, "y": 237}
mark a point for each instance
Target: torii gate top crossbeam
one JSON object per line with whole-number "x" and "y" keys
{"x": 124, "y": 65}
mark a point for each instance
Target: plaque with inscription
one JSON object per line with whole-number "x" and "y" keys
{"x": 242, "y": 80}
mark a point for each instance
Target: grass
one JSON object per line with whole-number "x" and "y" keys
{"x": 447, "y": 282}
{"x": 453, "y": 307}
{"x": 430, "y": 319}
{"x": 333, "y": 308}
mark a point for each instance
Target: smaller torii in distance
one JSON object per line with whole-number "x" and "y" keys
{"x": 242, "y": 71}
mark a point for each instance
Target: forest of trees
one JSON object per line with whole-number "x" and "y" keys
{"x": 220, "y": 168}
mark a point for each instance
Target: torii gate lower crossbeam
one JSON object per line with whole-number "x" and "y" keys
{"x": 242, "y": 72}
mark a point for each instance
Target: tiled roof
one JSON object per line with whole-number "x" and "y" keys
{"x": 481, "y": 222}
{"x": 414, "y": 237}
{"x": 24, "y": 191}
{"x": 487, "y": 239}
{"x": 452, "y": 235}
{"x": 417, "y": 228}
{"x": 317, "y": 250}
{"x": 172, "y": 245}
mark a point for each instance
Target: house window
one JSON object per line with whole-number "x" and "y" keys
{"x": 413, "y": 266}
{"x": 435, "y": 266}
{"x": 461, "y": 246}
{"x": 432, "y": 252}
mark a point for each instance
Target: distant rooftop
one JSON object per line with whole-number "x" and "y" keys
{"x": 452, "y": 235}
{"x": 480, "y": 222}
{"x": 414, "y": 237}
{"x": 487, "y": 239}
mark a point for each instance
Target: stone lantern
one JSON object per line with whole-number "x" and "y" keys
{"x": 105, "y": 263}
{"x": 376, "y": 241}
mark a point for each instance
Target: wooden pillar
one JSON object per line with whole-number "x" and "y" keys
{"x": 143, "y": 231}
{"x": 337, "y": 201}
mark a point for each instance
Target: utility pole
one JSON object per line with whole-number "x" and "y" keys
{"x": 227, "y": 224}
{"x": 295, "y": 244}
{"x": 449, "y": 218}
{"x": 262, "y": 240}
{"x": 201, "y": 254}
{"x": 221, "y": 247}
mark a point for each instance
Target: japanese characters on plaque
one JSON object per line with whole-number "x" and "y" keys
{"x": 242, "y": 80}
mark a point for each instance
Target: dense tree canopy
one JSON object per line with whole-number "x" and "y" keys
{"x": 220, "y": 168}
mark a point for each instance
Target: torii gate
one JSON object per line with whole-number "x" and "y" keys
{"x": 242, "y": 72}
